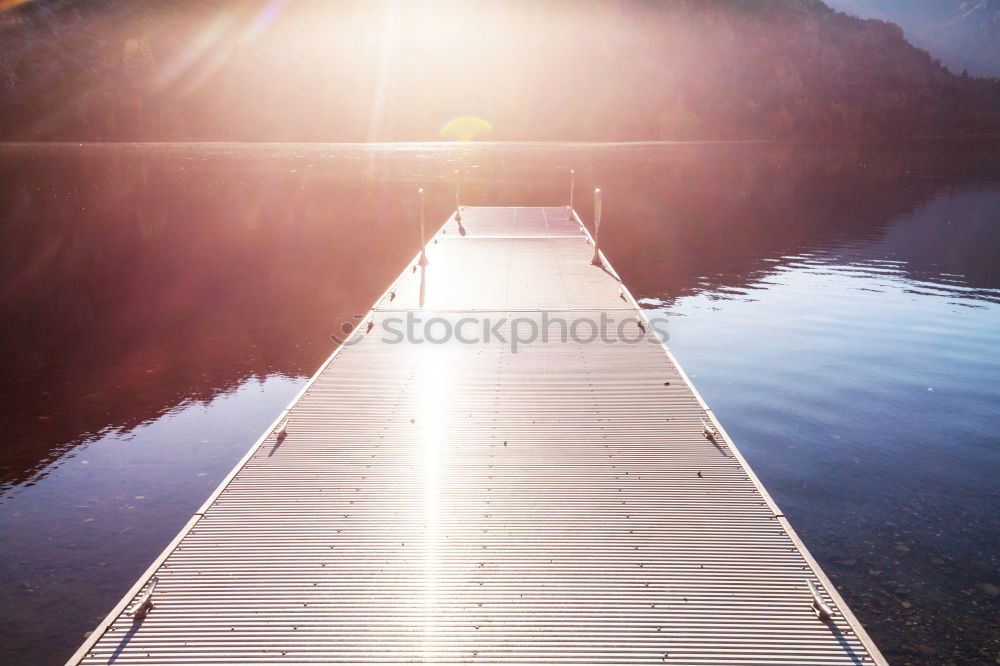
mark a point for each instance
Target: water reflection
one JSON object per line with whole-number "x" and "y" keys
{"x": 76, "y": 539}
{"x": 130, "y": 284}
{"x": 161, "y": 304}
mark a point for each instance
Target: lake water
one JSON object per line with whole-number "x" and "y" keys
{"x": 839, "y": 308}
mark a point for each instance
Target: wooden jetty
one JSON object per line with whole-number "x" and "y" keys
{"x": 462, "y": 499}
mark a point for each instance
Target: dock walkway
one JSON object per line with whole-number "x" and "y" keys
{"x": 490, "y": 498}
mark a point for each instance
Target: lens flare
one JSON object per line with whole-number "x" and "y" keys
{"x": 466, "y": 128}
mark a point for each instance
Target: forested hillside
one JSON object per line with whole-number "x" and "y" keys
{"x": 963, "y": 34}
{"x": 361, "y": 70}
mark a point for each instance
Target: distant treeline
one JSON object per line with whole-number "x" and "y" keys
{"x": 356, "y": 70}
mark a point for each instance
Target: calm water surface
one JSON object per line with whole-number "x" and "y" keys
{"x": 839, "y": 308}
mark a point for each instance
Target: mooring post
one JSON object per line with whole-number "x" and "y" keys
{"x": 572, "y": 183}
{"x": 458, "y": 208}
{"x": 597, "y": 228}
{"x": 423, "y": 242}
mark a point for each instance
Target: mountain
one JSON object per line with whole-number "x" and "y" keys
{"x": 964, "y": 34}
{"x": 357, "y": 70}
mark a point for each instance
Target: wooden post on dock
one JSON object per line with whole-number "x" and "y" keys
{"x": 597, "y": 228}
{"x": 572, "y": 183}
{"x": 423, "y": 241}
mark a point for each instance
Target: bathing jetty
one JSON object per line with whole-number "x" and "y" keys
{"x": 484, "y": 472}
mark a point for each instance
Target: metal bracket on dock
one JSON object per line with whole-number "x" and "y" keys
{"x": 819, "y": 606}
{"x": 144, "y": 601}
